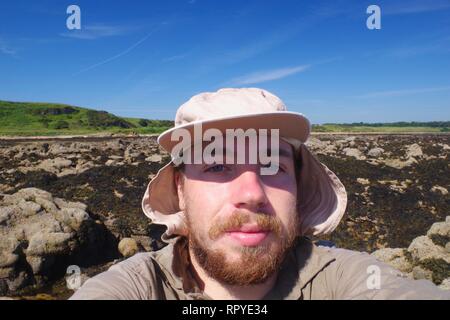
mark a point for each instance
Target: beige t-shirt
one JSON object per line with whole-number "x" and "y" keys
{"x": 308, "y": 272}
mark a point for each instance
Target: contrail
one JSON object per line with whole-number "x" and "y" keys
{"x": 117, "y": 55}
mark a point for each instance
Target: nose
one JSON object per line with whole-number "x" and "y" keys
{"x": 249, "y": 191}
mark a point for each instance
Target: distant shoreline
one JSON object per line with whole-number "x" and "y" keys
{"x": 107, "y": 136}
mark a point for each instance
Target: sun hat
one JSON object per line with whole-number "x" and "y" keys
{"x": 321, "y": 195}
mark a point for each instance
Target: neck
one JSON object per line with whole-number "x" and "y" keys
{"x": 221, "y": 291}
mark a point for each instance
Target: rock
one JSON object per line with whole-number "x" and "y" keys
{"x": 422, "y": 248}
{"x": 397, "y": 186}
{"x": 39, "y": 263}
{"x": 73, "y": 217}
{"x": 6, "y": 213}
{"x": 353, "y": 152}
{"x": 375, "y": 152}
{"x": 8, "y": 251}
{"x": 114, "y": 157}
{"x": 110, "y": 163}
{"x": 18, "y": 282}
{"x": 42, "y": 234}
{"x": 128, "y": 247}
{"x": 447, "y": 247}
{"x": 29, "y": 208}
{"x": 421, "y": 273}
{"x": 154, "y": 158}
{"x": 4, "y": 188}
{"x": 118, "y": 194}
{"x": 49, "y": 243}
{"x": 438, "y": 189}
{"x": 414, "y": 151}
{"x": 54, "y": 165}
{"x": 439, "y": 228}
{"x": 445, "y": 284}
{"x": 144, "y": 241}
{"x": 399, "y": 164}
{"x": 132, "y": 155}
{"x": 363, "y": 181}
{"x": 394, "y": 257}
{"x": 68, "y": 204}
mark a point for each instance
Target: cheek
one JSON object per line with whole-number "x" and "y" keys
{"x": 284, "y": 203}
{"x": 204, "y": 201}
{"x": 282, "y": 182}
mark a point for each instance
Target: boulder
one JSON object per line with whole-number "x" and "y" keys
{"x": 395, "y": 258}
{"x": 40, "y": 234}
{"x": 375, "y": 152}
{"x": 128, "y": 247}
{"x": 414, "y": 151}
{"x": 422, "y": 248}
{"x": 439, "y": 228}
{"x": 353, "y": 152}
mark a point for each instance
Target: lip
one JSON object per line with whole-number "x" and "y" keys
{"x": 248, "y": 229}
{"x": 247, "y": 237}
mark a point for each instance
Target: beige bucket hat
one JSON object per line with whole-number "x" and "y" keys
{"x": 322, "y": 197}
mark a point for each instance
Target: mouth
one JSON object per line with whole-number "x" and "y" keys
{"x": 248, "y": 235}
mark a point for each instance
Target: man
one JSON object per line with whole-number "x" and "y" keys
{"x": 236, "y": 233}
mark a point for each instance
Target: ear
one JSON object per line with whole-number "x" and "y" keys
{"x": 180, "y": 190}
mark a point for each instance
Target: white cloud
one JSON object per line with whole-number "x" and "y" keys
{"x": 263, "y": 76}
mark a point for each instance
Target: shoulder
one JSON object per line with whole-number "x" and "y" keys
{"x": 359, "y": 275}
{"x": 136, "y": 278}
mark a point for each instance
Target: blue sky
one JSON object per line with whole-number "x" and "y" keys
{"x": 145, "y": 58}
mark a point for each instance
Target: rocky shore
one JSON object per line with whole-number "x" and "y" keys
{"x": 77, "y": 202}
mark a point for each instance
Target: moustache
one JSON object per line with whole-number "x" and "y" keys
{"x": 264, "y": 222}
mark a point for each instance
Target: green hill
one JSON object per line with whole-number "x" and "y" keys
{"x": 29, "y": 119}
{"x": 47, "y": 119}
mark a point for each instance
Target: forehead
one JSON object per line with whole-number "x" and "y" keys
{"x": 283, "y": 146}
{"x": 249, "y": 150}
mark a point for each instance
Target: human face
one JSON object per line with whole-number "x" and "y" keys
{"x": 241, "y": 223}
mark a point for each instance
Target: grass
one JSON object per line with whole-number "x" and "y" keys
{"x": 49, "y": 119}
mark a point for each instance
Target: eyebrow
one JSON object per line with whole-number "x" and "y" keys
{"x": 281, "y": 152}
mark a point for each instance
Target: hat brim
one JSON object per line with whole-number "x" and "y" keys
{"x": 322, "y": 198}
{"x": 290, "y": 124}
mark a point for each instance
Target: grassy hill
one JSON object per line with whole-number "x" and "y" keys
{"x": 30, "y": 119}
{"x": 47, "y": 119}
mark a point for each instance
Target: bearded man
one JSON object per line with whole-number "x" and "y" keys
{"x": 235, "y": 231}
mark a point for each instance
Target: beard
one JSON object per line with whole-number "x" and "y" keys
{"x": 256, "y": 264}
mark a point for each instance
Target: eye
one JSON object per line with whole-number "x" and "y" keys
{"x": 281, "y": 168}
{"x": 216, "y": 168}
